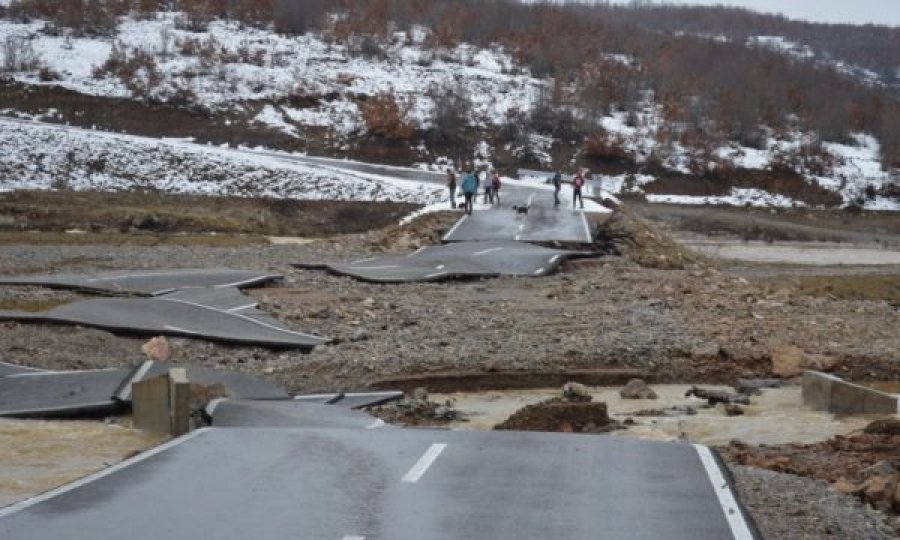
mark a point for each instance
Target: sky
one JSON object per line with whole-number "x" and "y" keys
{"x": 830, "y": 11}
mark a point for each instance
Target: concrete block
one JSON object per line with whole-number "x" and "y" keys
{"x": 162, "y": 404}
{"x": 179, "y": 401}
{"x": 150, "y": 405}
{"x": 817, "y": 389}
{"x": 829, "y": 393}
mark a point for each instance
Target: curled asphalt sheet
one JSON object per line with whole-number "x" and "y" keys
{"x": 352, "y": 400}
{"x": 455, "y": 261}
{"x": 61, "y": 393}
{"x": 387, "y": 484}
{"x": 182, "y": 313}
{"x": 147, "y": 282}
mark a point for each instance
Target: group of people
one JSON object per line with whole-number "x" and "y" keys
{"x": 471, "y": 181}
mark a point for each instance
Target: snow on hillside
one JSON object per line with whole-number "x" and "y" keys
{"x": 54, "y": 157}
{"x": 230, "y": 64}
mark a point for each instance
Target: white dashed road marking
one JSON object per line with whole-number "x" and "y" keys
{"x": 421, "y": 466}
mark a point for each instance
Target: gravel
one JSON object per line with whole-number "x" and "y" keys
{"x": 788, "y": 506}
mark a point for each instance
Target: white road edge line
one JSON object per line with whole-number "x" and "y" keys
{"x": 177, "y": 329}
{"x": 211, "y": 406}
{"x": 453, "y": 229}
{"x": 376, "y": 424}
{"x": 368, "y": 259}
{"x": 587, "y": 228}
{"x": 739, "y": 528}
{"x": 125, "y": 394}
{"x": 242, "y": 308}
{"x": 346, "y": 395}
{"x": 436, "y": 274}
{"x": 354, "y": 538}
{"x": 486, "y": 251}
{"x": 424, "y": 463}
{"x": 22, "y": 505}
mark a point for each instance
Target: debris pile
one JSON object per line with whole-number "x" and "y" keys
{"x": 572, "y": 412}
{"x": 415, "y": 409}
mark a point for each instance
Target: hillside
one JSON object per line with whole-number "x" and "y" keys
{"x": 772, "y": 118}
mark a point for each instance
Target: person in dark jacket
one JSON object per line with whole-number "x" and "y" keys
{"x": 495, "y": 188}
{"x": 451, "y": 185}
{"x": 557, "y": 185}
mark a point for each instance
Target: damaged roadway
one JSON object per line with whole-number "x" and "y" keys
{"x": 394, "y": 483}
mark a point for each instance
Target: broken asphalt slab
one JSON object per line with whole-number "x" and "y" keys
{"x": 456, "y": 261}
{"x": 286, "y": 413}
{"x": 234, "y": 384}
{"x": 146, "y": 282}
{"x": 385, "y": 484}
{"x": 173, "y": 316}
{"x": 61, "y": 393}
{"x": 43, "y": 394}
{"x": 353, "y": 400}
{"x": 12, "y": 369}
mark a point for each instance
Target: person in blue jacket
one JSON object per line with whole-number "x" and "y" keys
{"x": 469, "y": 188}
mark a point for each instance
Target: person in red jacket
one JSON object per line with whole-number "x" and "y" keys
{"x": 577, "y": 185}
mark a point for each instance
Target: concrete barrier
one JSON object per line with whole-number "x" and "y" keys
{"x": 826, "y": 392}
{"x": 162, "y": 404}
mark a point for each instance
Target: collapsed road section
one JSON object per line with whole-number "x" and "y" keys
{"x": 201, "y": 304}
{"x": 456, "y": 261}
{"x": 354, "y": 482}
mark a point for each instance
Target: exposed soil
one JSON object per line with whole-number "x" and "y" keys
{"x": 561, "y": 415}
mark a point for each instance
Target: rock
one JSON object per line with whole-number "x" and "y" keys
{"x": 360, "y": 335}
{"x": 637, "y": 389}
{"x": 705, "y": 351}
{"x": 895, "y": 498}
{"x": 157, "y": 349}
{"x": 369, "y": 302}
{"x": 878, "y": 488}
{"x": 573, "y": 391}
{"x": 753, "y": 387}
{"x": 733, "y": 410}
{"x": 714, "y": 396}
{"x": 420, "y": 394}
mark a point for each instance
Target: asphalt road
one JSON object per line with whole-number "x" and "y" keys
{"x": 543, "y": 221}
{"x": 391, "y": 484}
{"x": 456, "y": 260}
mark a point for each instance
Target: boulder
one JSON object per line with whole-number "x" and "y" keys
{"x": 846, "y": 487}
{"x": 790, "y": 361}
{"x": 573, "y": 391}
{"x": 637, "y": 389}
{"x": 157, "y": 349}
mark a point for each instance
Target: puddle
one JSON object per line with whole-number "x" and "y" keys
{"x": 807, "y": 253}
{"x": 776, "y": 417}
{"x": 40, "y": 455}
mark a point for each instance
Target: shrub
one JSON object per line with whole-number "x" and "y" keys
{"x": 451, "y": 113}
{"x": 601, "y": 145}
{"x": 386, "y": 117}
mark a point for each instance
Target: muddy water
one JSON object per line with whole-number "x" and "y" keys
{"x": 805, "y": 253}
{"x": 776, "y": 417}
{"x": 36, "y": 456}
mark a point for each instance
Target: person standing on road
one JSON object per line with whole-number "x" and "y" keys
{"x": 495, "y": 188}
{"x": 557, "y": 185}
{"x": 577, "y": 184}
{"x": 470, "y": 189}
{"x": 484, "y": 178}
{"x": 451, "y": 185}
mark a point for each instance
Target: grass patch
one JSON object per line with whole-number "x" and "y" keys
{"x": 31, "y": 305}
{"x": 872, "y": 287}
